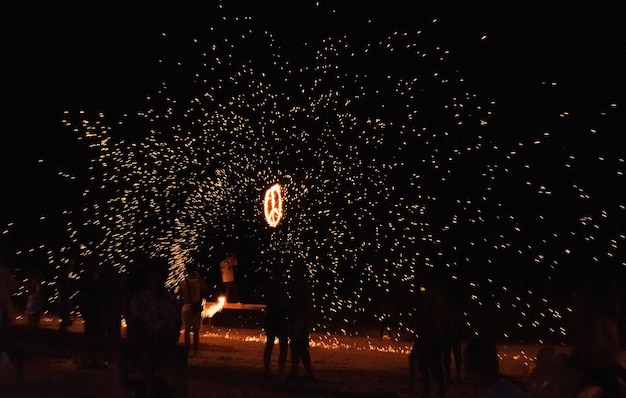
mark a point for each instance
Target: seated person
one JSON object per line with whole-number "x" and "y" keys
{"x": 482, "y": 370}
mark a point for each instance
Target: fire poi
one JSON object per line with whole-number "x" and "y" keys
{"x": 273, "y": 205}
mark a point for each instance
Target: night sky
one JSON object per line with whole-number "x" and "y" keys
{"x": 481, "y": 142}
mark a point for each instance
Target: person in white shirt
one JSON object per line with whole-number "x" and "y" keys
{"x": 227, "y": 268}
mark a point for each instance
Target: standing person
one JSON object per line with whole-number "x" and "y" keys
{"x": 389, "y": 311}
{"x": 227, "y": 268}
{"x": 34, "y": 303}
{"x": 109, "y": 301}
{"x": 453, "y": 328}
{"x": 427, "y": 352}
{"x": 8, "y": 285}
{"x": 154, "y": 321}
{"x": 596, "y": 345}
{"x": 300, "y": 309}
{"x": 89, "y": 298}
{"x": 64, "y": 306}
{"x": 276, "y": 325}
{"x": 89, "y": 306}
{"x": 193, "y": 289}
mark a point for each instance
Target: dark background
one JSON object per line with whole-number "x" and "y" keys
{"x": 60, "y": 56}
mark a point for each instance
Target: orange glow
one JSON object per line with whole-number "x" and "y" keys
{"x": 273, "y": 205}
{"x": 211, "y": 309}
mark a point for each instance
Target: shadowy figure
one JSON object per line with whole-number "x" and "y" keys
{"x": 35, "y": 298}
{"x": 482, "y": 370}
{"x": 135, "y": 280}
{"x": 300, "y": 308}
{"x": 192, "y": 289}
{"x": 276, "y": 324}
{"x": 89, "y": 298}
{"x": 538, "y": 374}
{"x": 427, "y": 352}
{"x": 153, "y": 328}
{"x": 64, "y": 304}
{"x": 453, "y": 333}
{"x": 109, "y": 301}
{"x": 388, "y": 308}
{"x": 8, "y": 285}
{"x": 90, "y": 295}
{"x": 555, "y": 375}
{"x": 596, "y": 345}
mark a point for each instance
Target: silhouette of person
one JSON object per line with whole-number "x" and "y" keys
{"x": 596, "y": 345}
{"x": 8, "y": 285}
{"x": 227, "y": 269}
{"x": 453, "y": 327}
{"x": 427, "y": 352}
{"x": 152, "y": 320}
{"x": 133, "y": 281}
{"x": 64, "y": 306}
{"x": 153, "y": 326}
{"x": 192, "y": 289}
{"x": 483, "y": 371}
{"x": 387, "y": 317}
{"x": 89, "y": 298}
{"x": 34, "y": 303}
{"x": 90, "y": 295}
{"x": 300, "y": 308}
{"x": 109, "y": 301}
{"x": 276, "y": 325}
{"x": 555, "y": 375}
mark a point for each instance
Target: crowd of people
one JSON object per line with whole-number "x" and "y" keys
{"x": 155, "y": 315}
{"x": 590, "y": 369}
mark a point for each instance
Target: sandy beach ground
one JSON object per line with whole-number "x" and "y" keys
{"x": 229, "y": 364}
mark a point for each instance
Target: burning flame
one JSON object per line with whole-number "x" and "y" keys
{"x": 211, "y": 309}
